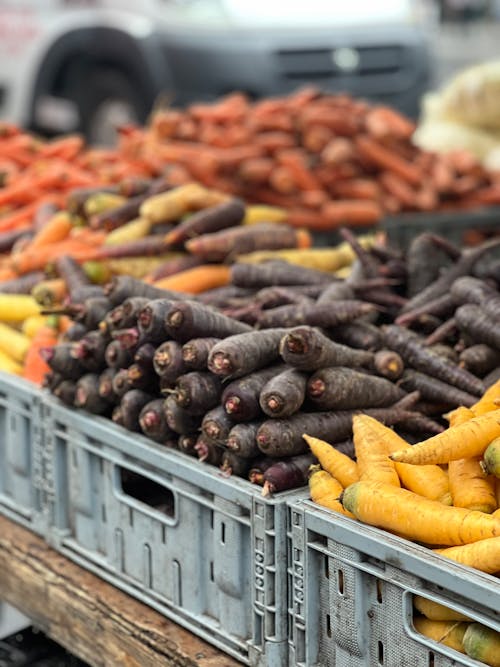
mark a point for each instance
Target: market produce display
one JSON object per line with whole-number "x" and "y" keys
{"x": 246, "y": 368}
{"x": 330, "y": 160}
{"x": 113, "y": 230}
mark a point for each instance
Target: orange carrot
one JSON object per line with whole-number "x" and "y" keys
{"x": 56, "y": 229}
{"x": 351, "y": 212}
{"x": 35, "y": 367}
{"x": 198, "y": 279}
{"x": 382, "y": 157}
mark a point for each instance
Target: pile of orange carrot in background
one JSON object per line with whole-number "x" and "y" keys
{"x": 330, "y": 160}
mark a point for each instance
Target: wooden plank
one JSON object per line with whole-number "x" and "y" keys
{"x": 89, "y": 617}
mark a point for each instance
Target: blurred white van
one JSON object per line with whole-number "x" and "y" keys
{"x": 89, "y": 64}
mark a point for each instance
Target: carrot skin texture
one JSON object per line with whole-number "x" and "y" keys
{"x": 61, "y": 361}
{"x": 416, "y": 355}
{"x": 116, "y": 356}
{"x": 197, "y": 391}
{"x": 359, "y": 335}
{"x": 153, "y": 422}
{"x": 191, "y": 320}
{"x": 206, "y": 221}
{"x": 480, "y": 359}
{"x": 325, "y": 490}
{"x": 307, "y": 349}
{"x": 343, "y": 388}
{"x": 151, "y": 318}
{"x": 482, "y": 643}
{"x": 336, "y": 463}
{"x": 415, "y": 517}
{"x": 65, "y": 391}
{"x": 388, "y": 364}
{"x": 217, "y": 424}
{"x": 284, "y": 394}
{"x": 218, "y": 246}
{"x": 283, "y": 437}
{"x": 435, "y": 390}
{"x": 120, "y": 384}
{"x": 473, "y": 321}
{"x": 244, "y": 353}
{"x": 371, "y": 454}
{"x": 23, "y": 284}
{"x": 232, "y": 464}
{"x": 196, "y": 351}
{"x": 465, "y": 440}
{"x": 87, "y": 395}
{"x": 124, "y": 287}
{"x": 444, "y": 282}
{"x": 178, "y": 419}
{"x": 289, "y": 474}
{"x": 242, "y": 439}
{"x": 240, "y": 397}
{"x": 326, "y": 315}
{"x": 470, "y": 487}
{"x": 483, "y": 555}
{"x": 105, "y": 389}
{"x": 276, "y": 273}
{"x": 131, "y": 404}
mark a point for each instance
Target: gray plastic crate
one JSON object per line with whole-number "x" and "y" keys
{"x": 207, "y": 551}
{"x": 453, "y": 225}
{"x": 21, "y": 465}
{"x": 351, "y": 594}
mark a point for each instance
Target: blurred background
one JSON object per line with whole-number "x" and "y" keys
{"x": 88, "y": 65}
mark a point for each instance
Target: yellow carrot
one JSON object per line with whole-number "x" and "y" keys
{"x": 325, "y": 491}
{"x": 9, "y": 365}
{"x": 371, "y": 453}
{"x": 429, "y": 481}
{"x": 334, "y": 462}
{"x": 470, "y": 486}
{"x": 449, "y": 633}
{"x": 131, "y": 231}
{"x": 138, "y": 267}
{"x": 101, "y": 202}
{"x": 171, "y": 205}
{"x": 261, "y": 213}
{"x": 435, "y": 611}
{"x": 417, "y": 518}
{"x": 31, "y": 324}
{"x": 491, "y": 458}
{"x": 459, "y": 415}
{"x": 487, "y": 402}
{"x": 483, "y": 555}
{"x": 14, "y": 343}
{"x": 457, "y": 442}
{"x": 322, "y": 259}
{"x": 482, "y": 643}
{"x": 17, "y": 307}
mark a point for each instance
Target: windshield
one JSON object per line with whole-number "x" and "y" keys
{"x": 295, "y": 13}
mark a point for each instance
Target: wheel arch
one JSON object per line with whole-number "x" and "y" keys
{"x": 84, "y": 49}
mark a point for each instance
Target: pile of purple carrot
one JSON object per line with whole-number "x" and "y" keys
{"x": 236, "y": 375}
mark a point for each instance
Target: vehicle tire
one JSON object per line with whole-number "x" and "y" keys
{"x": 106, "y": 99}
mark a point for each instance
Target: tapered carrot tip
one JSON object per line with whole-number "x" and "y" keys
{"x": 47, "y": 353}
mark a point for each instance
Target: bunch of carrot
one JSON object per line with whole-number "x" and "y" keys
{"x": 176, "y": 237}
{"x": 35, "y": 172}
{"x": 443, "y": 492}
{"x": 282, "y": 350}
{"x": 330, "y": 160}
